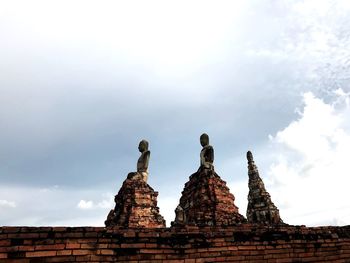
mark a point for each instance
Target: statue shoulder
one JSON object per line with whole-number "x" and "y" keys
{"x": 209, "y": 148}
{"x": 146, "y": 155}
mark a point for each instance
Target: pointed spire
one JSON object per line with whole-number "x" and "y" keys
{"x": 252, "y": 169}
{"x": 260, "y": 207}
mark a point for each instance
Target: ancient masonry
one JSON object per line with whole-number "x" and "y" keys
{"x": 260, "y": 207}
{"x": 136, "y": 206}
{"x": 207, "y": 227}
{"x": 136, "y": 201}
{"x": 206, "y": 201}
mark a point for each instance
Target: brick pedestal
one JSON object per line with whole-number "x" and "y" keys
{"x": 207, "y": 201}
{"x": 136, "y": 206}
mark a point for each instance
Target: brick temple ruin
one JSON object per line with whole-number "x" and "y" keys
{"x": 207, "y": 227}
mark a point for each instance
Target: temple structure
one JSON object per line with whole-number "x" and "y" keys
{"x": 260, "y": 207}
{"x": 207, "y": 227}
{"x": 136, "y": 201}
{"x": 206, "y": 200}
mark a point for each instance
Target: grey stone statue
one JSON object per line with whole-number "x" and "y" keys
{"x": 180, "y": 217}
{"x": 142, "y": 162}
{"x": 207, "y": 153}
{"x": 250, "y": 157}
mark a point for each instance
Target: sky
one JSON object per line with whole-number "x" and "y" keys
{"x": 82, "y": 82}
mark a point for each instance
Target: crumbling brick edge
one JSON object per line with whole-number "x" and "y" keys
{"x": 242, "y": 243}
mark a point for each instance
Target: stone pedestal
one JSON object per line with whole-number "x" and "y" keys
{"x": 136, "y": 206}
{"x": 206, "y": 201}
{"x": 260, "y": 207}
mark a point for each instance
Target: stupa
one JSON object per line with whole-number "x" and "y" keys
{"x": 260, "y": 207}
{"x": 206, "y": 200}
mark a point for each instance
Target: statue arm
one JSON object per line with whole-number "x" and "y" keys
{"x": 142, "y": 163}
{"x": 210, "y": 155}
{"x": 146, "y": 159}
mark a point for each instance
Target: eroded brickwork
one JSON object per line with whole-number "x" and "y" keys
{"x": 207, "y": 201}
{"x": 244, "y": 243}
{"x": 136, "y": 206}
{"x": 260, "y": 208}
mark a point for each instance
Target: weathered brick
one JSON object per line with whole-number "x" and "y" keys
{"x": 135, "y": 245}
{"x": 88, "y": 245}
{"x": 78, "y": 252}
{"x": 26, "y": 248}
{"x": 65, "y": 252}
{"x": 23, "y": 235}
{"x": 41, "y": 254}
{"x": 7, "y": 229}
{"x": 50, "y": 247}
{"x": 72, "y": 246}
{"x": 106, "y": 252}
{"x": 5, "y": 242}
{"x": 199, "y": 246}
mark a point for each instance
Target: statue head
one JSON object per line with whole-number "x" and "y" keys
{"x": 143, "y": 146}
{"x": 250, "y": 157}
{"x": 204, "y": 139}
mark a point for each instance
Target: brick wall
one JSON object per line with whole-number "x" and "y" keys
{"x": 245, "y": 243}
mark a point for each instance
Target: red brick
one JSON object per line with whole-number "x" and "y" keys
{"x": 27, "y": 242}
{"x": 5, "y": 243}
{"x": 85, "y": 258}
{"x": 151, "y": 245}
{"x": 50, "y": 247}
{"x": 24, "y": 235}
{"x": 130, "y": 234}
{"x": 9, "y": 249}
{"x": 219, "y": 259}
{"x": 26, "y": 248}
{"x": 88, "y": 245}
{"x": 160, "y": 256}
{"x": 133, "y": 245}
{"x": 284, "y": 260}
{"x": 72, "y": 245}
{"x": 81, "y": 252}
{"x": 59, "y": 229}
{"x": 235, "y": 258}
{"x": 107, "y": 245}
{"x": 151, "y": 251}
{"x": 209, "y": 254}
{"x": 106, "y": 252}
{"x": 9, "y": 229}
{"x": 74, "y": 235}
{"x": 65, "y": 252}
{"x": 41, "y": 254}
{"x": 246, "y": 247}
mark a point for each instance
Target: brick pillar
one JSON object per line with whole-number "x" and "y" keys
{"x": 135, "y": 206}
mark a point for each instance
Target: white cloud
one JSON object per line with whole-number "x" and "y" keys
{"x": 107, "y": 202}
{"x": 310, "y": 179}
{"x": 5, "y": 203}
{"x": 85, "y": 204}
{"x": 151, "y": 70}
{"x": 167, "y": 206}
{"x": 240, "y": 192}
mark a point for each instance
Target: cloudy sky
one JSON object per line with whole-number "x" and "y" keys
{"x": 82, "y": 82}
